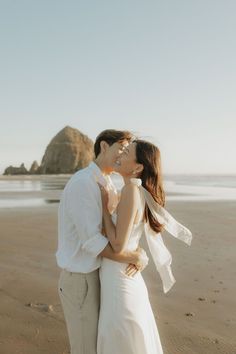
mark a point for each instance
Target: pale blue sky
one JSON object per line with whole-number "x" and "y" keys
{"x": 165, "y": 69}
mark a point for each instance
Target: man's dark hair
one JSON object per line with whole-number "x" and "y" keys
{"x": 111, "y": 136}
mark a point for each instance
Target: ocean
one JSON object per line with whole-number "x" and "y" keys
{"x": 25, "y": 191}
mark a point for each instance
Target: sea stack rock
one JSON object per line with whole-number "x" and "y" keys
{"x": 11, "y": 170}
{"x": 34, "y": 169}
{"x": 68, "y": 151}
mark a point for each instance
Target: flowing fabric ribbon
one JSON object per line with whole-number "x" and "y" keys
{"x": 160, "y": 254}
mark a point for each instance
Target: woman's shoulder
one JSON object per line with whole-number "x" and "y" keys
{"x": 136, "y": 181}
{"x": 131, "y": 189}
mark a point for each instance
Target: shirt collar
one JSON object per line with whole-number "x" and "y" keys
{"x": 97, "y": 173}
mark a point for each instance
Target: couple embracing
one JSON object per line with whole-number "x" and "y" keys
{"x": 103, "y": 295}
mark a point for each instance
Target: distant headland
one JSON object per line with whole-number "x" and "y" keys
{"x": 69, "y": 151}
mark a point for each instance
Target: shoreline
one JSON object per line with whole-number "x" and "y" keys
{"x": 51, "y": 186}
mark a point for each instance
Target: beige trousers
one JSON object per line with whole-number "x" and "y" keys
{"x": 80, "y": 298}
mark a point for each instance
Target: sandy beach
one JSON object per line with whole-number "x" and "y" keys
{"x": 197, "y": 316}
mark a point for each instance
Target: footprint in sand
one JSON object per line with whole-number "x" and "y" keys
{"x": 41, "y": 307}
{"x": 213, "y": 301}
{"x": 202, "y": 299}
{"x": 189, "y": 314}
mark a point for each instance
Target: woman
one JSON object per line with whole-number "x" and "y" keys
{"x": 126, "y": 323}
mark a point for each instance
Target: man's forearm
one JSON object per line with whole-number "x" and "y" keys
{"x": 109, "y": 228}
{"x": 122, "y": 257}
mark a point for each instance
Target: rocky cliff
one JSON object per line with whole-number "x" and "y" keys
{"x": 69, "y": 151}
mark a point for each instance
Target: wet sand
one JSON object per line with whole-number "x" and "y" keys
{"x": 197, "y": 315}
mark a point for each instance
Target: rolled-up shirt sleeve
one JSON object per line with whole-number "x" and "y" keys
{"x": 95, "y": 245}
{"x": 85, "y": 209}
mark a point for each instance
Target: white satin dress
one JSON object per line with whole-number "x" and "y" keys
{"x": 126, "y": 323}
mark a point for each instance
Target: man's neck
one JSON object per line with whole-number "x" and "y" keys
{"x": 102, "y": 166}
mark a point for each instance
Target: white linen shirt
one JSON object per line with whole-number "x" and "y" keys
{"x": 80, "y": 221}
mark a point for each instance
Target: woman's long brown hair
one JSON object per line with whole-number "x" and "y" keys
{"x": 149, "y": 156}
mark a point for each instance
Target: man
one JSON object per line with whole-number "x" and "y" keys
{"x": 81, "y": 243}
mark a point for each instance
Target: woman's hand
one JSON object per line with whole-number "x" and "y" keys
{"x": 105, "y": 198}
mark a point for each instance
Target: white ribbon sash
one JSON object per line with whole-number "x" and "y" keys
{"x": 160, "y": 254}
